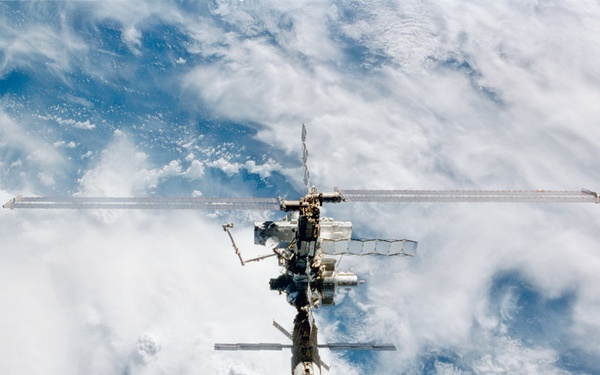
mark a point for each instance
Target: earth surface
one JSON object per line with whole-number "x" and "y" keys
{"x": 207, "y": 98}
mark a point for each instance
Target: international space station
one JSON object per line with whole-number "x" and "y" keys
{"x": 305, "y": 244}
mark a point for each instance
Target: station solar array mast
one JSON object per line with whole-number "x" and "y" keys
{"x": 305, "y": 243}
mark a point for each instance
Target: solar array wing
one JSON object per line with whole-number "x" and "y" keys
{"x": 369, "y": 247}
{"x": 330, "y": 346}
{"x": 169, "y": 203}
{"x": 253, "y": 347}
{"x": 517, "y": 196}
{"x": 283, "y": 330}
{"x": 358, "y": 346}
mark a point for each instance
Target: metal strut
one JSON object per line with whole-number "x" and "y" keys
{"x": 226, "y": 228}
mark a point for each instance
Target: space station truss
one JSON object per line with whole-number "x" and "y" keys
{"x": 250, "y": 346}
{"x": 330, "y": 346}
{"x": 154, "y": 203}
{"x": 516, "y": 196}
{"x": 369, "y": 247}
{"x": 340, "y": 195}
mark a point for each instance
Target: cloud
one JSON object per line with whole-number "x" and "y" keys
{"x": 86, "y": 125}
{"x": 195, "y": 171}
{"x": 412, "y": 95}
{"x": 112, "y": 289}
{"x": 231, "y": 168}
{"x": 25, "y": 43}
{"x": 112, "y": 177}
{"x": 459, "y": 87}
{"x": 226, "y": 166}
{"x": 263, "y": 170}
{"x": 29, "y": 157}
{"x": 132, "y": 37}
{"x": 15, "y": 136}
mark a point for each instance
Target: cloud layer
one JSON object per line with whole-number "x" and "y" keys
{"x": 160, "y": 97}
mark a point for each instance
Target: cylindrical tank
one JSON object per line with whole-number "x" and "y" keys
{"x": 332, "y": 281}
{"x": 345, "y": 279}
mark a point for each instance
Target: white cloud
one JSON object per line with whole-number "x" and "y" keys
{"x": 454, "y": 95}
{"x": 113, "y": 177}
{"x": 195, "y": 171}
{"x": 16, "y": 136}
{"x": 132, "y": 37}
{"x": 25, "y": 44}
{"x": 86, "y": 125}
{"x": 263, "y": 170}
{"x": 46, "y": 179}
{"x": 229, "y": 168}
{"x": 115, "y": 287}
{"x": 512, "y": 357}
{"x": 37, "y": 161}
{"x": 413, "y": 105}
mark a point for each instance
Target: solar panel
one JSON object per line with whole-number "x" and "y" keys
{"x": 358, "y": 346}
{"x": 330, "y": 346}
{"x": 169, "y": 203}
{"x": 253, "y": 347}
{"x": 365, "y": 246}
{"x": 283, "y": 330}
{"x": 517, "y": 196}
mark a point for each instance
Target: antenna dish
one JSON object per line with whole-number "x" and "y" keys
{"x": 272, "y": 242}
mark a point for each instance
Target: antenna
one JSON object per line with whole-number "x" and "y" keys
{"x": 305, "y": 161}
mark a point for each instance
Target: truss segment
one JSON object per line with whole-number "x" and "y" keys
{"x": 152, "y": 203}
{"x": 514, "y": 196}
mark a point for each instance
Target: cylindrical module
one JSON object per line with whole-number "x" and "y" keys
{"x": 332, "y": 282}
{"x": 345, "y": 279}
